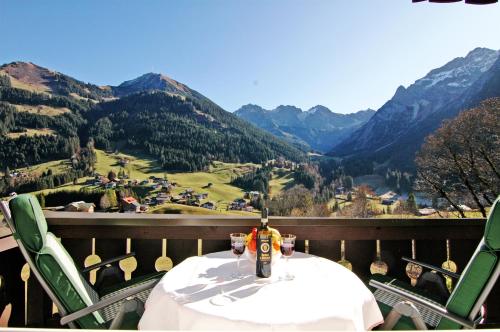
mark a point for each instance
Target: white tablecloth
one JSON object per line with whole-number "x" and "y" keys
{"x": 323, "y": 296}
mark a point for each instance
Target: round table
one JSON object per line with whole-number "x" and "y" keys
{"x": 323, "y": 296}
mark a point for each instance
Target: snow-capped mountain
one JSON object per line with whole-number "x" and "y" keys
{"x": 318, "y": 128}
{"x": 399, "y": 127}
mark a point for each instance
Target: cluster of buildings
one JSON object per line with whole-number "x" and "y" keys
{"x": 187, "y": 197}
{"x": 389, "y": 198}
{"x": 240, "y": 204}
{"x": 281, "y": 162}
{"x": 16, "y": 174}
{"x": 124, "y": 181}
{"x": 127, "y": 205}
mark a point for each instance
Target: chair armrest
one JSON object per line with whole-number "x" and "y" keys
{"x": 106, "y": 262}
{"x": 425, "y": 303}
{"x": 432, "y": 267}
{"x": 108, "y": 301}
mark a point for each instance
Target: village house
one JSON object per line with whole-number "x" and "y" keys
{"x": 181, "y": 201}
{"x": 426, "y": 212}
{"x": 241, "y": 202}
{"x": 201, "y": 196}
{"x": 462, "y": 207}
{"x": 162, "y": 198}
{"x": 123, "y": 161}
{"x": 176, "y": 198}
{"x": 340, "y": 191}
{"x": 238, "y": 204}
{"x": 208, "y": 205}
{"x": 252, "y": 194}
{"x": 130, "y": 204}
{"x": 248, "y": 208}
{"x": 193, "y": 202}
{"x": 156, "y": 179}
{"x": 80, "y": 206}
{"x": 390, "y": 195}
{"x": 90, "y": 182}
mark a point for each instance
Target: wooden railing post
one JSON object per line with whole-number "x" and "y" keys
{"x": 38, "y": 305}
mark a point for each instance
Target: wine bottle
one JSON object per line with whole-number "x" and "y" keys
{"x": 264, "y": 247}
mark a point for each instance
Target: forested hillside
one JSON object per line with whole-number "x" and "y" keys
{"x": 57, "y": 136}
{"x": 183, "y": 134}
{"x": 46, "y": 115}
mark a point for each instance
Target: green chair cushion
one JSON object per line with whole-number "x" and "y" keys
{"x": 64, "y": 290}
{"x": 492, "y": 230}
{"x": 60, "y": 272}
{"x": 29, "y": 221}
{"x": 472, "y": 281}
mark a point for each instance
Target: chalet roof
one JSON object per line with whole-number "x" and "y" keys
{"x": 81, "y": 205}
{"x": 426, "y": 211}
{"x": 129, "y": 200}
{"x": 388, "y": 195}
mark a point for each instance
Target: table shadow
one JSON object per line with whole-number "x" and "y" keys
{"x": 223, "y": 284}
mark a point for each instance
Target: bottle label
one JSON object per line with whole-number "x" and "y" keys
{"x": 265, "y": 248}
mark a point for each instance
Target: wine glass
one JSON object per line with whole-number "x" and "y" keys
{"x": 287, "y": 247}
{"x": 238, "y": 247}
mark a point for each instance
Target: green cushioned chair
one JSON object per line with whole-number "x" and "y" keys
{"x": 405, "y": 307}
{"x": 79, "y": 304}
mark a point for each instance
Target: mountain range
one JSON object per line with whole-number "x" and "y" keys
{"x": 318, "y": 128}
{"x": 45, "y": 115}
{"x": 397, "y": 130}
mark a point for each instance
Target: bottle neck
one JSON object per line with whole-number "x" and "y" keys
{"x": 263, "y": 218}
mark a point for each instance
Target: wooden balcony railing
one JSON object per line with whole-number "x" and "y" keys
{"x": 91, "y": 237}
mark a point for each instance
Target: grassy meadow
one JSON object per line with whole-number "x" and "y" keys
{"x": 32, "y": 132}
{"x": 141, "y": 168}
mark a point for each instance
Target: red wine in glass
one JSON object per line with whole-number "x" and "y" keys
{"x": 287, "y": 249}
{"x": 238, "y": 248}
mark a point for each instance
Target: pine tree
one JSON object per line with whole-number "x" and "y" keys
{"x": 41, "y": 199}
{"x": 411, "y": 203}
{"x": 111, "y": 175}
{"x": 104, "y": 203}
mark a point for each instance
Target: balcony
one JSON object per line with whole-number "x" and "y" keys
{"x": 86, "y": 235}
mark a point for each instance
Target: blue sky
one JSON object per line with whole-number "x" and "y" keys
{"x": 346, "y": 55}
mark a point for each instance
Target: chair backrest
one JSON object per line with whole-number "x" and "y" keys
{"x": 51, "y": 260}
{"x": 480, "y": 274}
